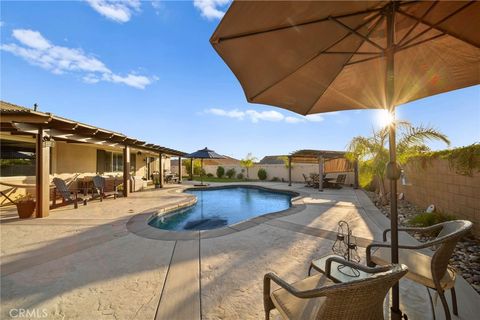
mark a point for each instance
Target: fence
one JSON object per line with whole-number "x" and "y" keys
{"x": 436, "y": 183}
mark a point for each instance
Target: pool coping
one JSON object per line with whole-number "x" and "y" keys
{"x": 139, "y": 226}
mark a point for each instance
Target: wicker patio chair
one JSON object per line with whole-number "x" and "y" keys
{"x": 338, "y": 183}
{"x": 318, "y": 297}
{"x": 308, "y": 182}
{"x": 68, "y": 195}
{"x": 427, "y": 267}
{"x": 99, "y": 187}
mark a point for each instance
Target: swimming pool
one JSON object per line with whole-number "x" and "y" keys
{"x": 219, "y": 207}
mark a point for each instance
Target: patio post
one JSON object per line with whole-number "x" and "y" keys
{"x": 42, "y": 161}
{"x": 320, "y": 173}
{"x": 289, "y": 171}
{"x": 160, "y": 170}
{"x": 126, "y": 170}
{"x": 179, "y": 169}
{"x": 355, "y": 174}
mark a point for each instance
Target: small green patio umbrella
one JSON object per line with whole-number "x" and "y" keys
{"x": 320, "y": 56}
{"x": 201, "y": 154}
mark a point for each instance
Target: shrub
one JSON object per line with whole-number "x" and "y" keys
{"x": 210, "y": 175}
{"x": 429, "y": 219}
{"x": 220, "y": 171}
{"x": 231, "y": 173}
{"x": 240, "y": 176}
{"x": 262, "y": 174}
{"x": 275, "y": 179}
{"x": 202, "y": 172}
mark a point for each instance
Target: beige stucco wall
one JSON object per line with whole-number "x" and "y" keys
{"x": 437, "y": 183}
{"x": 280, "y": 171}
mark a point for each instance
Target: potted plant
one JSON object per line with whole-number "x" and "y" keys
{"x": 25, "y": 206}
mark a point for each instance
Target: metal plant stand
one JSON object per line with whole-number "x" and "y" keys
{"x": 346, "y": 246}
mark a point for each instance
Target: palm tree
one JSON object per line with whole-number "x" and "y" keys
{"x": 372, "y": 152}
{"x": 248, "y": 162}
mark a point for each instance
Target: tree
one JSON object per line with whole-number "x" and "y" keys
{"x": 285, "y": 161}
{"x": 248, "y": 162}
{"x": 372, "y": 152}
{"x": 197, "y": 166}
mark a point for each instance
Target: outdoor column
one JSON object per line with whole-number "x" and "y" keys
{"x": 42, "y": 187}
{"x": 160, "y": 170}
{"x": 289, "y": 171}
{"x": 126, "y": 170}
{"x": 320, "y": 173}
{"x": 179, "y": 169}
{"x": 191, "y": 169}
{"x": 355, "y": 174}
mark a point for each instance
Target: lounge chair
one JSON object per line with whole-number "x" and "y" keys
{"x": 339, "y": 182}
{"x": 68, "y": 195}
{"x": 308, "y": 182}
{"x": 318, "y": 297}
{"x": 425, "y": 266}
{"x": 99, "y": 187}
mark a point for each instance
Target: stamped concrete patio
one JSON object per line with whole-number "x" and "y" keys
{"x": 86, "y": 264}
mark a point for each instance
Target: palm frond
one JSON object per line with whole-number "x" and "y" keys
{"x": 417, "y": 136}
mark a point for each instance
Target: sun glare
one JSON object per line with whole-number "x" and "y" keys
{"x": 383, "y": 118}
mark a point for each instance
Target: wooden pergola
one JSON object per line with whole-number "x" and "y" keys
{"x": 320, "y": 157}
{"x": 47, "y": 128}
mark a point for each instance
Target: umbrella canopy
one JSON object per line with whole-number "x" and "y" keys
{"x": 205, "y": 154}
{"x": 320, "y": 56}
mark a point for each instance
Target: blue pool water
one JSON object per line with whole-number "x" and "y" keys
{"x": 217, "y": 208}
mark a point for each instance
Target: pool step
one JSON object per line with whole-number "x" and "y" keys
{"x": 180, "y": 297}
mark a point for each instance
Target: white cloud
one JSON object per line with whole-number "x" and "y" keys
{"x": 294, "y": 119}
{"x": 157, "y": 5}
{"x": 118, "y": 11}
{"x": 314, "y": 117}
{"x": 211, "y": 9}
{"x": 230, "y": 114}
{"x": 38, "y": 51}
{"x": 257, "y": 116}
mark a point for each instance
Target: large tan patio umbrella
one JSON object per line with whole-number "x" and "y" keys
{"x": 321, "y": 56}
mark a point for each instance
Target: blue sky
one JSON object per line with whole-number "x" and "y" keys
{"x": 147, "y": 69}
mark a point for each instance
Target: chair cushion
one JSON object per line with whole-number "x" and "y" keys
{"x": 418, "y": 266}
{"x": 291, "y": 307}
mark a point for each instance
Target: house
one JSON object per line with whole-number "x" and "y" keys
{"x": 37, "y": 146}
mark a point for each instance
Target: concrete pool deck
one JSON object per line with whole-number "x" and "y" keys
{"x": 86, "y": 264}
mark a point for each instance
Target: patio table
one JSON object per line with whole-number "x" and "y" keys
{"x": 335, "y": 274}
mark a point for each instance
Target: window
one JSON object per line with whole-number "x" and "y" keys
{"x": 117, "y": 162}
{"x": 17, "y": 158}
{"x": 113, "y": 161}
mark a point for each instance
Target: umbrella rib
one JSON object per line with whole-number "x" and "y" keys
{"x": 314, "y": 57}
{"x": 364, "y": 60}
{"x": 358, "y": 34}
{"x": 420, "y": 42}
{"x": 436, "y": 25}
{"x": 254, "y": 33}
{"x": 417, "y": 22}
{"x": 346, "y": 61}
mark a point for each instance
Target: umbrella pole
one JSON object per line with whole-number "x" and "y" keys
{"x": 201, "y": 172}
{"x": 392, "y": 169}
